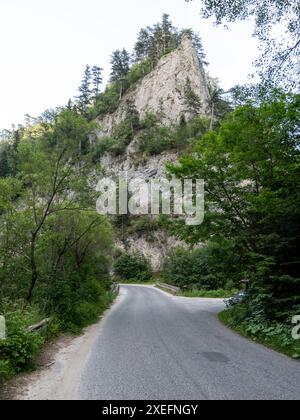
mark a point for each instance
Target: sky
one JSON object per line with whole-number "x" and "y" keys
{"x": 46, "y": 44}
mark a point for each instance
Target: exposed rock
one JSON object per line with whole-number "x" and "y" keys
{"x": 154, "y": 246}
{"x": 136, "y": 167}
{"x": 163, "y": 90}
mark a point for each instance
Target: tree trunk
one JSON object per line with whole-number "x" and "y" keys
{"x": 34, "y": 273}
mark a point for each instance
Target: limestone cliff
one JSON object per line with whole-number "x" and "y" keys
{"x": 161, "y": 92}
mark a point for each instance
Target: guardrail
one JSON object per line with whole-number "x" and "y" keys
{"x": 173, "y": 289}
{"x": 115, "y": 288}
{"x": 41, "y": 327}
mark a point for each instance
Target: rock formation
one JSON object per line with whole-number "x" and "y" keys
{"x": 161, "y": 92}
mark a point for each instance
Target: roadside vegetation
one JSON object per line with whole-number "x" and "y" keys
{"x": 275, "y": 335}
{"x": 55, "y": 250}
{"x": 251, "y": 231}
{"x": 132, "y": 268}
{"x": 211, "y": 294}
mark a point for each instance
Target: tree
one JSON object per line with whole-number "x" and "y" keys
{"x": 14, "y": 151}
{"x": 132, "y": 116}
{"x": 279, "y": 60}
{"x": 133, "y": 267}
{"x": 218, "y": 106}
{"x": 155, "y": 41}
{"x": 251, "y": 168}
{"x": 56, "y": 174}
{"x": 85, "y": 90}
{"x": 120, "y": 66}
{"x": 5, "y": 134}
{"x": 4, "y": 160}
{"x": 97, "y": 80}
{"x": 143, "y": 44}
{"x": 192, "y": 100}
{"x": 195, "y": 37}
{"x": 167, "y": 32}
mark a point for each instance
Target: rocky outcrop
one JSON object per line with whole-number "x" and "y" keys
{"x": 136, "y": 167}
{"x": 163, "y": 90}
{"x": 155, "y": 246}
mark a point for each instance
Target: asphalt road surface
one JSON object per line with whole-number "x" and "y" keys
{"x": 154, "y": 346}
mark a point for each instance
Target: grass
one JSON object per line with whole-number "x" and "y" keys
{"x": 221, "y": 294}
{"x": 279, "y": 342}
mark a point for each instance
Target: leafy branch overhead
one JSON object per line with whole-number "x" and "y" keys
{"x": 277, "y": 26}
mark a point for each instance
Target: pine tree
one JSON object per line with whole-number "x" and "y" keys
{"x": 120, "y": 66}
{"x": 14, "y": 152}
{"x": 218, "y": 106}
{"x": 153, "y": 42}
{"x": 132, "y": 116}
{"x": 97, "y": 80}
{"x": 85, "y": 90}
{"x": 70, "y": 105}
{"x": 192, "y": 100}
{"x": 167, "y": 32}
{"x": 143, "y": 45}
{"x": 4, "y": 165}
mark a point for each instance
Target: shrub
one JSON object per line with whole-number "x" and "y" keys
{"x": 155, "y": 140}
{"x": 78, "y": 301}
{"x": 215, "y": 266}
{"x": 248, "y": 318}
{"x": 220, "y": 293}
{"x": 133, "y": 267}
{"x": 107, "y": 102}
{"x": 20, "y": 348}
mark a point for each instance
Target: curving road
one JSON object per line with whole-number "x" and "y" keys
{"x": 155, "y": 346}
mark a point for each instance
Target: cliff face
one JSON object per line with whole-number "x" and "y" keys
{"x": 163, "y": 90}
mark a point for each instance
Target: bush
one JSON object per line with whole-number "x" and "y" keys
{"x": 87, "y": 313}
{"x": 77, "y": 302}
{"x": 133, "y": 267}
{"x": 107, "y": 102}
{"x": 248, "y": 318}
{"x": 220, "y": 293}
{"x": 20, "y": 348}
{"x": 213, "y": 267}
{"x": 155, "y": 140}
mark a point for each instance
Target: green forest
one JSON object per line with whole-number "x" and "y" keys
{"x": 57, "y": 255}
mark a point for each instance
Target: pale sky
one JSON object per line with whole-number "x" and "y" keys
{"x": 45, "y": 45}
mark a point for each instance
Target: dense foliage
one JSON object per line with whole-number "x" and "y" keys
{"x": 132, "y": 267}
{"x": 55, "y": 250}
{"x": 277, "y": 26}
{"x": 214, "y": 266}
{"x": 127, "y": 68}
{"x": 251, "y": 168}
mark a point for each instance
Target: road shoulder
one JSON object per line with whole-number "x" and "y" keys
{"x": 56, "y": 378}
